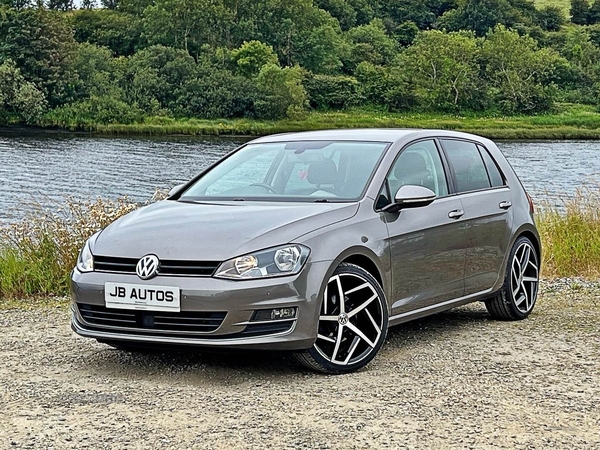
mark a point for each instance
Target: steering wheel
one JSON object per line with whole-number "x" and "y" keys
{"x": 268, "y": 187}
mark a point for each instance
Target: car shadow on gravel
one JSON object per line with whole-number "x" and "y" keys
{"x": 236, "y": 367}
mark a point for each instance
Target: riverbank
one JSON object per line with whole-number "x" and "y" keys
{"x": 569, "y": 121}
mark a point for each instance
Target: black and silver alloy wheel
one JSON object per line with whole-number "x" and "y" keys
{"x": 352, "y": 323}
{"x": 519, "y": 293}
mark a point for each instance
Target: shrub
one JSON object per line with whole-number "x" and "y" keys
{"x": 38, "y": 253}
{"x": 331, "y": 92}
{"x": 280, "y": 93}
{"x": 95, "y": 110}
{"x": 18, "y": 96}
{"x": 252, "y": 56}
{"x": 216, "y": 94}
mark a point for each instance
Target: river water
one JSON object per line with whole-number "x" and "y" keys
{"x": 50, "y": 167}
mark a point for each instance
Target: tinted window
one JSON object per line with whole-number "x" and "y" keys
{"x": 493, "y": 171}
{"x": 465, "y": 159}
{"x": 419, "y": 164}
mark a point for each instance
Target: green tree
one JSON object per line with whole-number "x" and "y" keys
{"x": 371, "y": 43}
{"x": 252, "y": 56}
{"x": 280, "y": 93}
{"x": 406, "y": 32}
{"x": 550, "y": 18}
{"x": 120, "y": 32}
{"x": 216, "y": 93}
{"x": 479, "y": 16}
{"x": 97, "y": 72}
{"x": 321, "y": 49}
{"x": 88, "y": 4}
{"x": 579, "y": 11}
{"x": 185, "y": 24}
{"x": 518, "y": 72}
{"x": 19, "y": 97}
{"x": 41, "y": 44}
{"x": 341, "y": 10}
{"x": 110, "y": 4}
{"x": 593, "y": 16}
{"x": 445, "y": 70}
{"x": 415, "y": 11}
{"x": 17, "y": 5}
{"x": 331, "y": 92}
{"x": 154, "y": 76}
{"x": 61, "y": 5}
{"x": 385, "y": 86}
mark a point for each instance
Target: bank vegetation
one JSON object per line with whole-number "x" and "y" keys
{"x": 38, "y": 253}
{"x": 248, "y": 67}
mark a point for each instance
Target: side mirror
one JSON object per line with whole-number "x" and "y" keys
{"x": 410, "y": 196}
{"x": 175, "y": 189}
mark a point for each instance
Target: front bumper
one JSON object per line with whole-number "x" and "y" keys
{"x": 238, "y": 300}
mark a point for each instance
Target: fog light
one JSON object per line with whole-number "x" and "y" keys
{"x": 264, "y": 315}
{"x": 283, "y": 313}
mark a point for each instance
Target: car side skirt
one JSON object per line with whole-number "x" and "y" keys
{"x": 440, "y": 307}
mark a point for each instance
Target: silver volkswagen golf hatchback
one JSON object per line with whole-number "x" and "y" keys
{"x": 315, "y": 243}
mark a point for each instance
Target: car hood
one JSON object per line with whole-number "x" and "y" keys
{"x": 214, "y": 231}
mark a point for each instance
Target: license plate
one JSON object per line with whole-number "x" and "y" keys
{"x": 142, "y": 297}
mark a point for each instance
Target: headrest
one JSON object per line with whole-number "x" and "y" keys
{"x": 322, "y": 172}
{"x": 410, "y": 163}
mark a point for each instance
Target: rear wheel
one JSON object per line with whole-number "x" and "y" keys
{"x": 353, "y": 323}
{"x": 519, "y": 292}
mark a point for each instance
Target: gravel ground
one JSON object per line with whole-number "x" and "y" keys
{"x": 454, "y": 380}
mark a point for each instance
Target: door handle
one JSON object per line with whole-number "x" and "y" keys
{"x": 505, "y": 205}
{"x": 456, "y": 214}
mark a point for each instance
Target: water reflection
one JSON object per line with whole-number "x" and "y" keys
{"x": 56, "y": 166}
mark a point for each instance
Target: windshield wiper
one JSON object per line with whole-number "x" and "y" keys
{"x": 322, "y": 200}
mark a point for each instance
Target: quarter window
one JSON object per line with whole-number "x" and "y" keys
{"x": 495, "y": 176}
{"x": 419, "y": 164}
{"x": 469, "y": 169}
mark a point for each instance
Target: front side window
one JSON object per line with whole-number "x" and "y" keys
{"x": 419, "y": 164}
{"x": 295, "y": 171}
{"x": 469, "y": 169}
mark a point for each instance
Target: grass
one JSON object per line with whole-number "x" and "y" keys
{"x": 569, "y": 121}
{"x": 571, "y": 235}
{"x": 37, "y": 254}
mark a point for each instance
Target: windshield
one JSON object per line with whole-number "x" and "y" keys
{"x": 291, "y": 171}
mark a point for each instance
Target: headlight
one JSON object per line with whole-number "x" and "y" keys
{"x": 85, "y": 260}
{"x": 273, "y": 262}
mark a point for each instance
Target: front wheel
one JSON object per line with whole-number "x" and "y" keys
{"x": 353, "y": 323}
{"x": 519, "y": 292}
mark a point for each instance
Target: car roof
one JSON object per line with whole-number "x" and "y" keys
{"x": 364, "y": 134}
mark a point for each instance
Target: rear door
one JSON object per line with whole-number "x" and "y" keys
{"x": 486, "y": 200}
{"x": 427, "y": 244}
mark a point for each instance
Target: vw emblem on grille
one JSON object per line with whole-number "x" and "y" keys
{"x": 147, "y": 267}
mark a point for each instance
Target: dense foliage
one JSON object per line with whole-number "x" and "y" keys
{"x": 126, "y": 60}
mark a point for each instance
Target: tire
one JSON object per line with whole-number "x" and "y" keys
{"x": 519, "y": 291}
{"x": 359, "y": 324}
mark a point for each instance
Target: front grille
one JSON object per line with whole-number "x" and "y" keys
{"x": 143, "y": 321}
{"x": 166, "y": 267}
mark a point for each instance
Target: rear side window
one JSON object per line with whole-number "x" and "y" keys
{"x": 470, "y": 171}
{"x": 495, "y": 176}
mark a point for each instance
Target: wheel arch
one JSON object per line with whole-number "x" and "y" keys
{"x": 535, "y": 240}
{"x": 367, "y": 260}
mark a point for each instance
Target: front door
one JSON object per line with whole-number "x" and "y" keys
{"x": 427, "y": 244}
